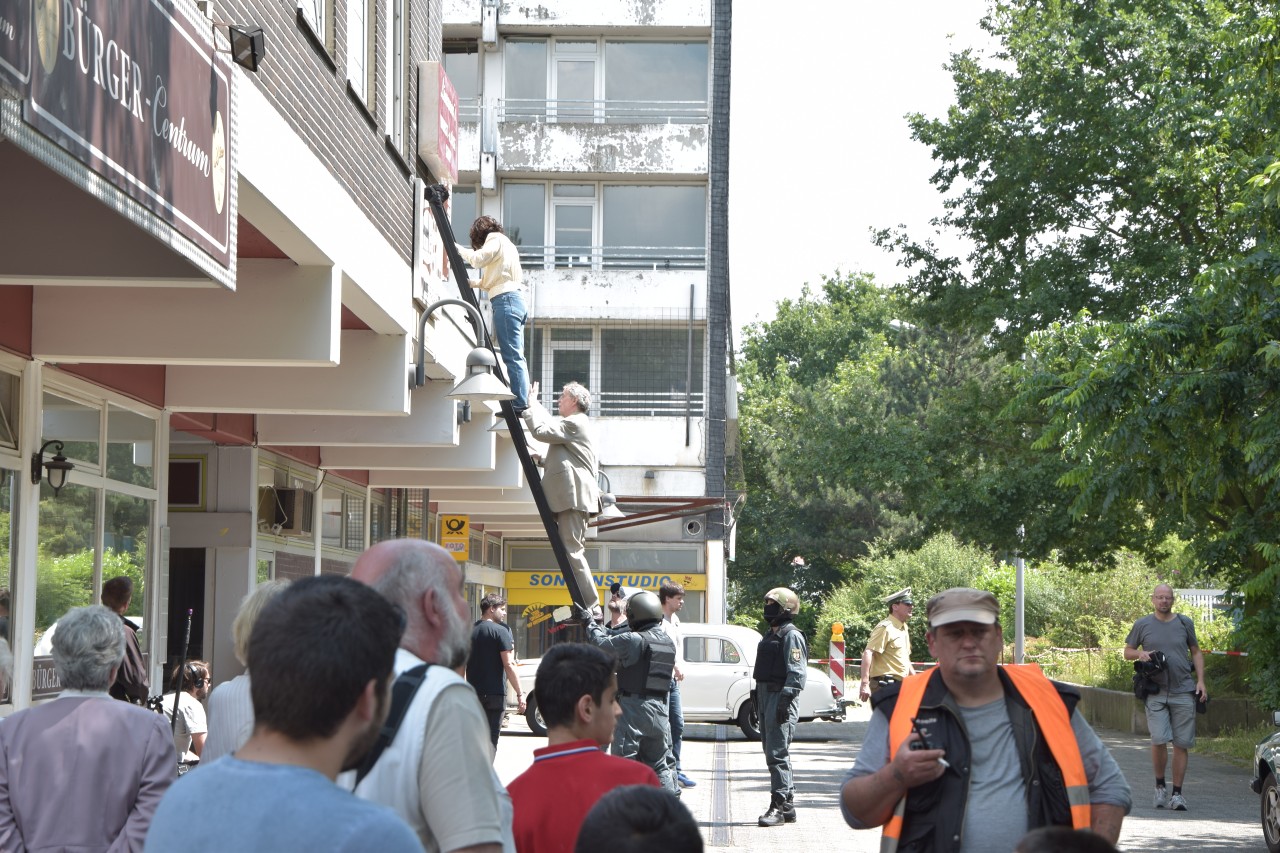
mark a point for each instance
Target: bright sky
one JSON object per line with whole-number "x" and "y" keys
{"x": 820, "y": 149}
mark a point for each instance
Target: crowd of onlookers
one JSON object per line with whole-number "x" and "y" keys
{"x": 353, "y": 727}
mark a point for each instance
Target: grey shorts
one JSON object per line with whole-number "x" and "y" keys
{"x": 1172, "y": 717}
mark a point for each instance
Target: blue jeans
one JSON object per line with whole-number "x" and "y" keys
{"x": 676, "y": 716}
{"x": 509, "y": 316}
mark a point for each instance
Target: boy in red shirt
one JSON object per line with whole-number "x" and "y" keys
{"x": 577, "y": 690}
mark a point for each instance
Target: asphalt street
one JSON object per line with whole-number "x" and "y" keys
{"x": 733, "y": 790}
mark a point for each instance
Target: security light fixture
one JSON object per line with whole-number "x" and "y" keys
{"x": 58, "y": 467}
{"x": 248, "y": 44}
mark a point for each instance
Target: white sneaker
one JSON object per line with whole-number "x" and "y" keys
{"x": 1178, "y": 803}
{"x": 1162, "y": 797}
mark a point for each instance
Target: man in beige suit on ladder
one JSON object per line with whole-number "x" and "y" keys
{"x": 570, "y": 476}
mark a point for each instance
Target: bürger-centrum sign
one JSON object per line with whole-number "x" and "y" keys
{"x": 134, "y": 91}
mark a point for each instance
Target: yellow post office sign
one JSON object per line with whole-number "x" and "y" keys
{"x": 455, "y": 536}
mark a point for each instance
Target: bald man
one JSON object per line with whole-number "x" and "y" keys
{"x": 1171, "y": 713}
{"x": 437, "y": 773}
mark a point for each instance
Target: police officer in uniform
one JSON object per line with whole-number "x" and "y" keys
{"x": 781, "y": 661}
{"x": 887, "y": 658}
{"x": 646, "y": 659}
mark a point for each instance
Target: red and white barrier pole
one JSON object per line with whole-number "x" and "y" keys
{"x": 836, "y": 654}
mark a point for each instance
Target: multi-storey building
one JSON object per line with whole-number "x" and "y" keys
{"x": 211, "y": 284}
{"x": 596, "y": 132}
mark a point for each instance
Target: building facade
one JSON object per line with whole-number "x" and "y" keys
{"x": 211, "y": 280}
{"x": 590, "y": 130}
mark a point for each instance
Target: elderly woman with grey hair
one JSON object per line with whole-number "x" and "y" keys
{"x": 231, "y": 705}
{"x": 83, "y": 772}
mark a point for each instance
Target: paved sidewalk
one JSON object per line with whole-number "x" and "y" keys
{"x": 733, "y": 790}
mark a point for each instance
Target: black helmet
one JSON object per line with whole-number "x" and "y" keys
{"x": 643, "y": 609}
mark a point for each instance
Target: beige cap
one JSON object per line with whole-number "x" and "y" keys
{"x": 962, "y": 604}
{"x": 902, "y": 596}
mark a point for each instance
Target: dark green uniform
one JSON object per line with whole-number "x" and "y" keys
{"x": 781, "y": 666}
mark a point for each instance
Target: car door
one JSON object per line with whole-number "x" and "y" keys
{"x": 716, "y": 675}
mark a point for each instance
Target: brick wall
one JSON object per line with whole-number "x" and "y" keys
{"x": 294, "y": 566}
{"x": 308, "y": 86}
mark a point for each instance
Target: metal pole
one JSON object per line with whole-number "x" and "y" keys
{"x": 182, "y": 671}
{"x": 1020, "y": 602}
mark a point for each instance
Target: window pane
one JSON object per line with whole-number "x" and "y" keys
{"x": 570, "y": 366}
{"x": 131, "y": 446}
{"x": 644, "y": 226}
{"x": 10, "y": 397}
{"x": 355, "y": 523}
{"x": 645, "y": 372}
{"x": 464, "y": 73}
{"x": 64, "y": 565}
{"x": 655, "y": 81}
{"x": 525, "y": 66}
{"x": 653, "y": 560}
{"x": 573, "y": 191}
{"x": 126, "y": 532}
{"x": 8, "y": 556}
{"x": 77, "y": 426}
{"x": 462, "y": 212}
{"x": 575, "y": 89}
{"x": 524, "y": 218}
{"x": 331, "y": 517}
{"x": 573, "y": 234}
{"x": 577, "y": 47}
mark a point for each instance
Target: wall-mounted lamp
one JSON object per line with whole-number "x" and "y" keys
{"x": 58, "y": 467}
{"x": 479, "y": 384}
{"x": 248, "y": 44}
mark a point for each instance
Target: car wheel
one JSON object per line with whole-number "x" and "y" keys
{"x": 533, "y": 716}
{"x": 1271, "y": 813}
{"x": 749, "y": 720}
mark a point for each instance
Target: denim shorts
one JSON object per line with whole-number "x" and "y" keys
{"x": 1172, "y": 717}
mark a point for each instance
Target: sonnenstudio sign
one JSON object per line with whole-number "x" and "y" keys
{"x": 134, "y": 91}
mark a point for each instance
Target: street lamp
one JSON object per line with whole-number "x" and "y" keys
{"x": 479, "y": 384}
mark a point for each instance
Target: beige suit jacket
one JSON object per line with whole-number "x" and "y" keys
{"x": 569, "y": 480}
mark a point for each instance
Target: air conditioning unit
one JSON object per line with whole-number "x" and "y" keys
{"x": 285, "y": 512}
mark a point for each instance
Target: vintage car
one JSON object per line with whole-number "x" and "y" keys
{"x": 1265, "y": 782}
{"x": 717, "y": 681}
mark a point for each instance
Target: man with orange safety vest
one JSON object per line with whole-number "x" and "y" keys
{"x": 970, "y": 756}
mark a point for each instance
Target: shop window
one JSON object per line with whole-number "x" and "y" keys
{"x": 8, "y": 559}
{"x": 76, "y": 425}
{"x": 131, "y": 447}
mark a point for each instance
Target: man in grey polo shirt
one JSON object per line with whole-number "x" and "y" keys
{"x": 1171, "y": 713}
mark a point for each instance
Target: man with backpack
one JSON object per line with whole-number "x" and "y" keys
{"x": 1171, "y": 712}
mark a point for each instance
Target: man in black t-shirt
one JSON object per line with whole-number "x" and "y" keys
{"x": 492, "y": 651}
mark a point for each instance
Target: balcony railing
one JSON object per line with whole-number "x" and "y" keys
{"x": 649, "y": 404}
{"x": 591, "y": 112}
{"x": 614, "y": 257}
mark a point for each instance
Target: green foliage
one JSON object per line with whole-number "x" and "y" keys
{"x": 941, "y": 563}
{"x": 67, "y": 581}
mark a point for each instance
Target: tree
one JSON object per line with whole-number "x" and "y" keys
{"x": 1093, "y": 159}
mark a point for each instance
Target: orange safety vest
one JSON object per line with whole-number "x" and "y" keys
{"x": 1050, "y": 715}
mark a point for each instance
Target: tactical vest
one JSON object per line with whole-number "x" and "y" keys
{"x": 651, "y": 674}
{"x": 771, "y": 661}
{"x": 942, "y": 804}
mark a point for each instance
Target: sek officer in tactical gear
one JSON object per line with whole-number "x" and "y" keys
{"x": 646, "y": 659}
{"x": 781, "y": 661}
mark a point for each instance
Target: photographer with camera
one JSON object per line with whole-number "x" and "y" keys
{"x": 1171, "y": 710}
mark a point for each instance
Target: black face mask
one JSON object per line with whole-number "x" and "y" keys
{"x": 773, "y": 612}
